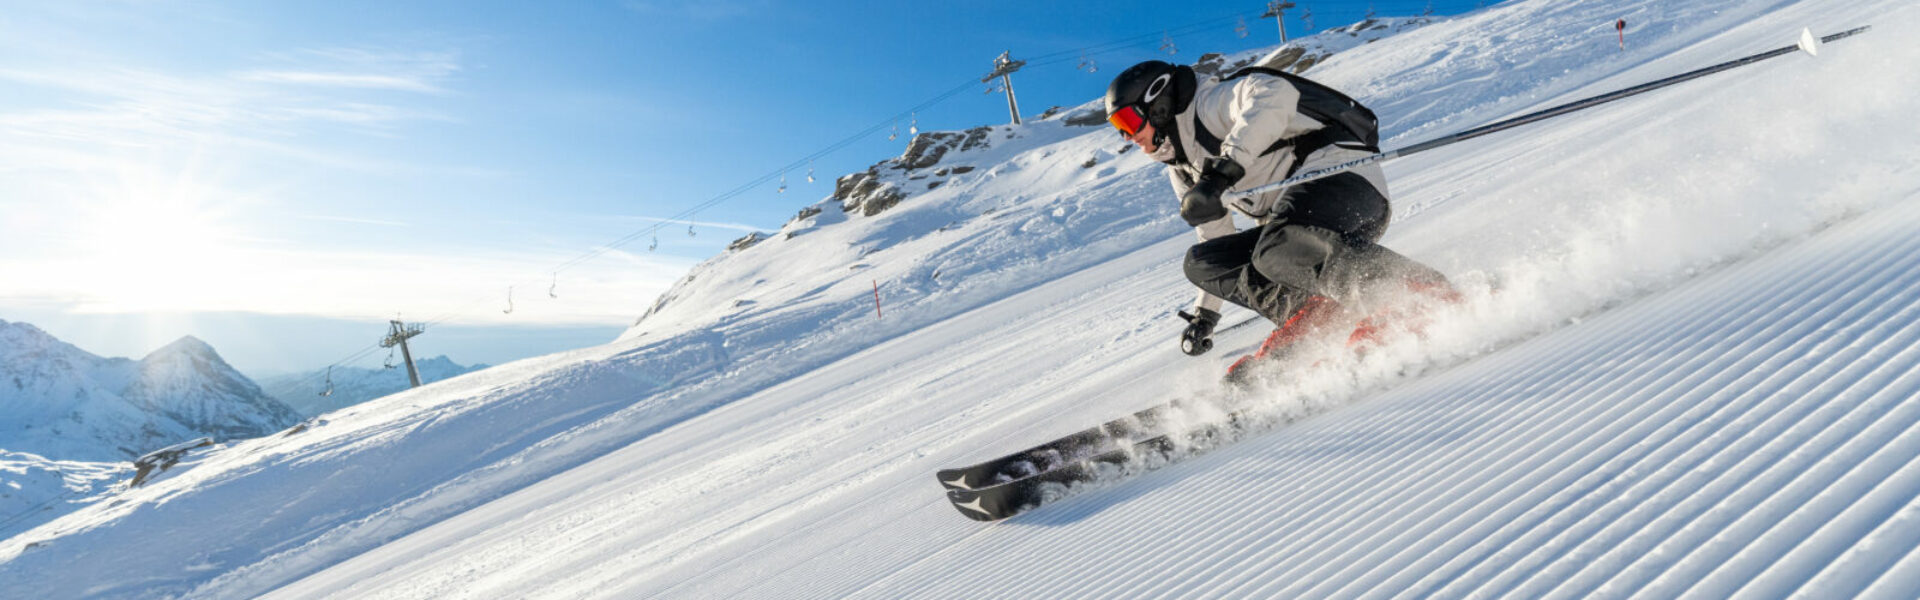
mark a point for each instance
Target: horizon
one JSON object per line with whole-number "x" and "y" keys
{"x": 244, "y": 339}
{"x": 267, "y": 178}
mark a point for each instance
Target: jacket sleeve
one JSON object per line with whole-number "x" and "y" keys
{"x": 1180, "y": 185}
{"x": 1206, "y": 231}
{"x": 1261, "y": 109}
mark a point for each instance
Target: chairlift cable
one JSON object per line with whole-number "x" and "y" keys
{"x": 1133, "y": 40}
{"x": 756, "y": 182}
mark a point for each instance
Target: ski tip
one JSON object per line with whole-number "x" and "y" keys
{"x": 953, "y": 479}
{"x": 973, "y": 506}
{"x": 1808, "y": 43}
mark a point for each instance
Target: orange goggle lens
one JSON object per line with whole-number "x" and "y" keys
{"x": 1128, "y": 120}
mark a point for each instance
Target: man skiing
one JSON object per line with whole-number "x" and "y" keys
{"x": 1312, "y": 261}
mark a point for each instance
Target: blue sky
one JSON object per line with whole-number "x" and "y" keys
{"x": 276, "y": 177}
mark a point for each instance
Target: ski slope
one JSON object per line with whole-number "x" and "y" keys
{"x": 1685, "y": 368}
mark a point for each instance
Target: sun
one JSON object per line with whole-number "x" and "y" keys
{"x": 153, "y": 245}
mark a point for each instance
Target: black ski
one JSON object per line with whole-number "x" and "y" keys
{"x": 1037, "y": 482}
{"x": 996, "y": 502}
{"x": 1053, "y": 455}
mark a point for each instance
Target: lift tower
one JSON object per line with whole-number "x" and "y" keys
{"x": 397, "y": 334}
{"x": 1277, "y": 10}
{"x": 1004, "y": 67}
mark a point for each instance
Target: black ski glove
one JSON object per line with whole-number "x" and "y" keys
{"x": 1201, "y": 204}
{"x": 1198, "y": 338}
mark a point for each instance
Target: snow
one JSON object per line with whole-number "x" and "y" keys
{"x": 35, "y": 489}
{"x": 1684, "y": 369}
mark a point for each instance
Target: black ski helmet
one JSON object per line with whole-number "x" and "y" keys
{"x": 1160, "y": 90}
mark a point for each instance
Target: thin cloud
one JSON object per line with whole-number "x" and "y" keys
{"x": 343, "y": 80}
{"x": 360, "y": 68}
{"x": 103, "y": 110}
{"x": 354, "y": 220}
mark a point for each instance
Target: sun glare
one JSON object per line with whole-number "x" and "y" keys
{"x": 158, "y": 246}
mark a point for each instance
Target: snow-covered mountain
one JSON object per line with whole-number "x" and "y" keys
{"x": 1695, "y": 378}
{"x": 63, "y": 403}
{"x": 187, "y": 382}
{"x": 353, "y": 385}
{"x": 70, "y": 421}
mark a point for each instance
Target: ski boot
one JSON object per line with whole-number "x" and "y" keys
{"x": 1409, "y": 314}
{"x": 1312, "y": 318}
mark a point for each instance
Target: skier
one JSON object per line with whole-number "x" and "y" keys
{"x": 1312, "y": 261}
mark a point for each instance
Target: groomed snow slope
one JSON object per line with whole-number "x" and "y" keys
{"x": 1694, "y": 378}
{"x": 1751, "y": 433}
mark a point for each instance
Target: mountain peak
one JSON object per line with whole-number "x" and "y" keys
{"x": 188, "y": 382}
{"x": 21, "y": 339}
{"x": 23, "y": 329}
{"x": 188, "y": 345}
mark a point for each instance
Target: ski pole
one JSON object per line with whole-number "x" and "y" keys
{"x": 1806, "y": 43}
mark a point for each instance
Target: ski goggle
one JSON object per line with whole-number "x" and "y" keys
{"x": 1128, "y": 120}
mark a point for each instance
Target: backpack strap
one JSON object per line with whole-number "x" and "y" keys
{"x": 1340, "y": 113}
{"x": 1207, "y": 140}
{"x": 1306, "y": 144}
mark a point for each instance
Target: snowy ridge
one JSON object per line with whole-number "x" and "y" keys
{"x": 1553, "y": 431}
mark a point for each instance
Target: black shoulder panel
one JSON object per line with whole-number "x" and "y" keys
{"x": 1327, "y": 105}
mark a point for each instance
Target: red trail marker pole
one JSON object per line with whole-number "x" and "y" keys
{"x": 876, "y": 300}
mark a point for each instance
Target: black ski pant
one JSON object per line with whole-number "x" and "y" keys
{"x": 1319, "y": 242}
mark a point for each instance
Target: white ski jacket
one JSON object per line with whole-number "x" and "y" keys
{"x": 1249, "y": 114}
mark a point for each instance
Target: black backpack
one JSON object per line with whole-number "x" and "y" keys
{"x": 1349, "y": 123}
